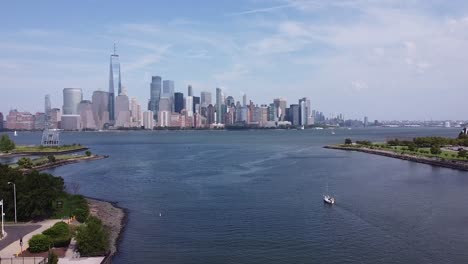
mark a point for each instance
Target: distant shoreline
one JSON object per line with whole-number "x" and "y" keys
{"x": 456, "y": 165}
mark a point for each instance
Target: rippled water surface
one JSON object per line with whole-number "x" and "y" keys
{"x": 256, "y": 197}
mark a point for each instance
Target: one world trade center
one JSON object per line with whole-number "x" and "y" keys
{"x": 114, "y": 83}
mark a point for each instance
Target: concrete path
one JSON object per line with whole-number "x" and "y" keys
{"x": 71, "y": 256}
{"x": 14, "y": 233}
{"x": 94, "y": 260}
{"x": 13, "y": 247}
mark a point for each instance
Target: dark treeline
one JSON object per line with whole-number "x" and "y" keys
{"x": 36, "y": 194}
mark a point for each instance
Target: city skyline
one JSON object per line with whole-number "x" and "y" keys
{"x": 346, "y": 57}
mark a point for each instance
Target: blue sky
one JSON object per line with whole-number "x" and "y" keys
{"x": 385, "y": 59}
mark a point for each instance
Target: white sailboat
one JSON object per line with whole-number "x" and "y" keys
{"x": 328, "y": 199}
{"x": 15, "y": 134}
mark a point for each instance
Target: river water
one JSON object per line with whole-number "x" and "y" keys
{"x": 256, "y": 197}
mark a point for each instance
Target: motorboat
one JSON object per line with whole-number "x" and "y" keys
{"x": 328, "y": 199}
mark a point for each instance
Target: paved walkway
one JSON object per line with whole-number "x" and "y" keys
{"x": 15, "y": 232}
{"x": 95, "y": 260}
{"x": 9, "y": 250}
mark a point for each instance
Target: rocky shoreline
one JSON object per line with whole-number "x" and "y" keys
{"x": 112, "y": 216}
{"x": 456, "y": 165}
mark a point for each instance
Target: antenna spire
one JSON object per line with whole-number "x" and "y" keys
{"x": 114, "y": 48}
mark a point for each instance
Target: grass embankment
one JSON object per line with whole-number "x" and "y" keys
{"x": 42, "y": 149}
{"x": 405, "y": 150}
{"x": 47, "y": 160}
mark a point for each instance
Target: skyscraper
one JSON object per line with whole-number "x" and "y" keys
{"x": 210, "y": 114}
{"x": 189, "y": 105}
{"x": 1, "y": 121}
{"x": 100, "y": 104}
{"x": 85, "y": 110}
{"x": 71, "y": 98}
{"x": 205, "y": 98}
{"x": 135, "y": 112}
{"x": 47, "y": 104}
{"x": 230, "y": 101}
{"x": 196, "y": 104}
{"x": 190, "y": 90}
{"x": 122, "y": 111}
{"x": 219, "y": 106}
{"x": 244, "y": 100}
{"x": 303, "y": 111}
{"x": 155, "y": 95}
{"x": 294, "y": 114}
{"x": 168, "y": 91}
{"x": 178, "y": 102}
{"x": 114, "y": 83}
{"x": 280, "y": 105}
{"x": 148, "y": 121}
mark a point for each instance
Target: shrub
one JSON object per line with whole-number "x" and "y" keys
{"x": 39, "y": 243}
{"x": 88, "y": 153}
{"x": 412, "y": 147}
{"x": 81, "y": 214}
{"x": 91, "y": 238}
{"x": 80, "y": 208}
{"x": 348, "y": 141}
{"x": 51, "y": 158}
{"x": 363, "y": 142}
{"x": 59, "y": 234}
{"x": 435, "y": 150}
{"x": 462, "y": 153}
{"x": 25, "y": 163}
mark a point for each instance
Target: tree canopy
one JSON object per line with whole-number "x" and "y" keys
{"x": 6, "y": 144}
{"x": 35, "y": 193}
{"x": 92, "y": 238}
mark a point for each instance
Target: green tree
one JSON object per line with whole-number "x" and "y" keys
{"x": 92, "y": 238}
{"x": 88, "y": 153}
{"x": 51, "y": 158}
{"x": 348, "y": 141}
{"x": 462, "y": 153}
{"x": 435, "y": 150}
{"x": 6, "y": 144}
{"x": 413, "y": 147}
{"x": 25, "y": 163}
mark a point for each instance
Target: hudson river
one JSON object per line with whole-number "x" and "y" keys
{"x": 256, "y": 197}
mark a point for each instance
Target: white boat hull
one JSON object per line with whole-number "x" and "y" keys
{"x": 328, "y": 199}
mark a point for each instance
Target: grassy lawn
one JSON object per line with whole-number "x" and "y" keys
{"x": 445, "y": 154}
{"x": 69, "y": 204}
{"x": 20, "y": 149}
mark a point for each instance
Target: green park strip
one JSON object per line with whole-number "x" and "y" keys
{"x": 52, "y": 161}
{"x": 404, "y": 150}
{"x": 437, "y": 151}
{"x": 41, "y": 149}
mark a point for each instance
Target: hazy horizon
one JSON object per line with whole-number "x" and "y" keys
{"x": 382, "y": 59}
